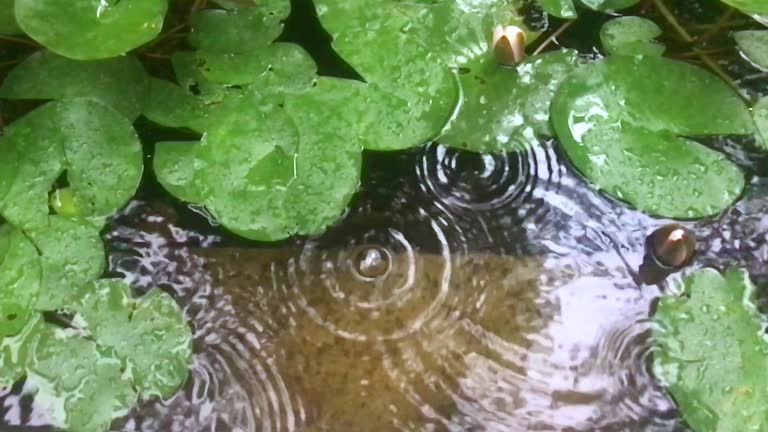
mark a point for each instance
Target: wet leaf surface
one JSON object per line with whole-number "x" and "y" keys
{"x": 631, "y": 36}
{"x": 20, "y": 276}
{"x": 87, "y": 29}
{"x": 95, "y": 145}
{"x": 119, "y": 82}
{"x": 760, "y": 114}
{"x": 566, "y": 8}
{"x": 712, "y": 352}
{"x": 624, "y": 132}
{"x": 754, "y": 46}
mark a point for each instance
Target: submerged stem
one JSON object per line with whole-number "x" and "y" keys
{"x": 552, "y": 37}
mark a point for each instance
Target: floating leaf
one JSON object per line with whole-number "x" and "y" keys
{"x": 566, "y": 9}
{"x": 712, "y": 353}
{"x": 76, "y": 374}
{"x": 8, "y": 25}
{"x": 87, "y": 29}
{"x": 170, "y": 105}
{"x": 621, "y": 128}
{"x": 93, "y": 144}
{"x": 631, "y": 35}
{"x": 119, "y": 82}
{"x": 754, "y": 46}
{"x": 749, "y": 6}
{"x": 72, "y": 256}
{"x": 760, "y": 114}
{"x": 149, "y": 334}
{"x": 19, "y": 280}
{"x": 297, "y": 170}
{"x": 505, "y": 109}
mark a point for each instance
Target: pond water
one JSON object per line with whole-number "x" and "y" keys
{"x": 461, "y": 292}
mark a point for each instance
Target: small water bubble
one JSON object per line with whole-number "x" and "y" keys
{"x": 372, "y": 262}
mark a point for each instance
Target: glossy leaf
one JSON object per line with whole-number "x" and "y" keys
{"x": 754, "y": 46}
{"x": 749, "y": 6}
{"x": 712, "y": 352}
{"x": 8, "y": 25}
{"x": 119, "y": 82}
{"x": 95, "y": 145}
{"x": 566, "y": 9}
{"x": 760, "y": 114}
{"x": 20, "y": 275}
{"x": 622, "y": 129}
{"x": 631, "y": 36}
{"x": 149, "y": 334}
{"x": 72, "y": 256}
{"x": 87, "y": 29}
{"x": 506, "y": 109}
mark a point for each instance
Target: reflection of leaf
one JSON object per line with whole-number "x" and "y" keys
{"x": 88, "y": 29}
{"x": 96, "y": 147}
{"x": 566, "y": 8}
{"x": 749, "y": 6}
{"x": 72, "y": 256}
{"x": 621, "y": 129}
{"x": 712, "y": 353}
{"x": 120, "y": 82}
{"x": 505, "y": 109}
{"x": 754, "y": 45}
{"x": 19, "y": 280}
{"x": 631, "y": 36}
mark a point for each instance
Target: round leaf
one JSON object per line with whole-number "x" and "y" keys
{"x": 712, "y": 353}
{"x": 506, "y": 109}
{"x": 621, "y": 129}
{"x": 20, "y": 277}
{"x": 119, "y": 82}
{"x": 88, "y": 29}
{"x": 749, "y": 6}
{"x": 95, "y": 145}
{"x": 754, "y": 46}
{"x": 559, "y": 8}
{"x": 631, "y": 36}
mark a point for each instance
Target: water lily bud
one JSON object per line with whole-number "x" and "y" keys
{"x": 673, "y": 246}
{"x": 508, "y": 45}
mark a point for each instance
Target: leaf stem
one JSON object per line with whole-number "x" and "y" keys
{"x": 552, "y": 37}
{"x": 717, "y": 27}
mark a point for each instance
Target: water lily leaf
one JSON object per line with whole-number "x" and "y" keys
{"x": 623, "y": 132}
{"x": 296, "y": 169}
{"x": 749, "y": 6}
{"x": 754, "y": 46}
{"x": 504, "y": 109}
{"x": 8, "y": 24}
{"x": 84, "y": 381}
{"x": 72, "y": 256}
{"x": 712, "y": 352}
{"x": 13, "y": 352}
{"x": 93, "y": 144}
{"x": 149, "y": 334}
{"x": 89, "y": 30}
{"x": 119, "y": 82}
{"x": 168, "y": 104}
{"x": 20, "y": 276}
{"x": 631, "y": 35}
{"x": 760, "y": 114}
{"x": 566, "y": 9}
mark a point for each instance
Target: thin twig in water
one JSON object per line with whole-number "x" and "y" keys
{"x": 552, "y": 37}
{"x": 717, "y": 27}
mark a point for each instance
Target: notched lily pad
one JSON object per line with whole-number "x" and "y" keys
{"x": 753, "y": 44}
{"x": 92, "y": 143}
{"x": 624, "y": 132}
{"x": 120, "y": 82}
{"x": 631, "y": 35}
{"x": 20, "y": 276}
{"x": 712, "y": 352}
{"x": 89, "y": 30}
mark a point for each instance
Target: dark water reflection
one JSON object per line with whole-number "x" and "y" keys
{"x": 502, "y": 298}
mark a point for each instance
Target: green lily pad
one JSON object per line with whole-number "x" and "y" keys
{"x": 749, "y": 6}
{"x": 13, "y": 353}
{"x": 88, "y": 29}
{"x": 20, "y": 276}
{"x": 754, "y": 46}
{"x": 8, "y": 24}
{"x": 507, "y": 109}
{"x": 149, "y": 334}
{"x": 168, "y": 104}
{"x": 566, "y": 9}
{"x": 712, "y": 351}
{"x": 624, "y": 132}
{"x": 631, "y": 35}
{"x": 95, "y": 145}
{"x": 72, "y": 256}
{"x": 296, "y": 169}
{"x": 760, "y": 114}
{"x": 119, "y": 82}
{"x": 84, "y": 385}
